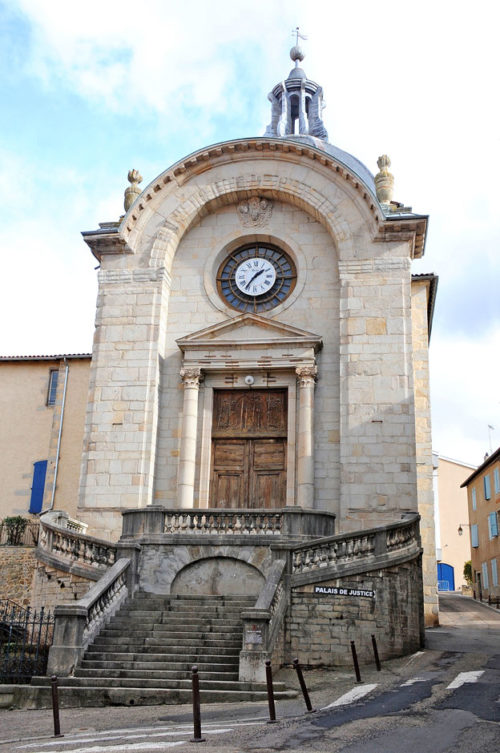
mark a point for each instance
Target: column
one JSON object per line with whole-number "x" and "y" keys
{"x": 306, "y": 377}
{"x": 187, "y": 459}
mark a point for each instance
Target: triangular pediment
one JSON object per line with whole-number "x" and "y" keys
{"x": 249, "y": 329}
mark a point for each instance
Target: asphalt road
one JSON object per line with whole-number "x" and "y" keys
{"x": 442, "y": 700}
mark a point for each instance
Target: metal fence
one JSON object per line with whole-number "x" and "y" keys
{"x": 10, "y": 536}
{"x": 25, "y": 638}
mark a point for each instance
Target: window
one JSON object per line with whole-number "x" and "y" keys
{"x": 494, "y": 573}
{"x": 492, "y": 525}
{"x": 484, "y": 568}
{"x": 51, "y": 392}
{"x": 474, "y": 538}
{"x": 474, "y": 499}
{"x": 496, "y": 477}
{"x": 487, "y": 486}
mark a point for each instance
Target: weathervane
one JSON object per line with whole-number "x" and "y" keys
{"x": 298, "y": 35}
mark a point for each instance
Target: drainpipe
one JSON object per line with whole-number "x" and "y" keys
{"x": 58, "y": 451}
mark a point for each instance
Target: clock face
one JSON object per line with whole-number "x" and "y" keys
{"x": 256, "y": 278}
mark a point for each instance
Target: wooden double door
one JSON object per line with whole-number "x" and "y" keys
{"x": 249, "y": 447}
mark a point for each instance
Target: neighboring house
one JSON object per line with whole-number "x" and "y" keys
{"x": 483, "y": 492}
{"x": 450, "y": 500}
{"x": 42, "y": 409}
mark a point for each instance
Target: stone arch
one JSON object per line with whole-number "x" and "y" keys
{"x": 207, "y": 198}
{"x": 218, "y": 576}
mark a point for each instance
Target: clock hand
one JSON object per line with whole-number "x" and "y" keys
{"x": 253, "y": 278}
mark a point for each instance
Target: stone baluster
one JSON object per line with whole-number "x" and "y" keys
{"x": 187, "y": 461}
{"x": 306, "y": 376}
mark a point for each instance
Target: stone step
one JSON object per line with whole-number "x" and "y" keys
{"x": 172, "y": 618}
{"x": 160, "y": 629}
{"x": 144, "y": 682}
{"x": 73, "y": 697}
{"x": 147, "y": 669}
{"x": 186, "y": 609}
{"x": 236, "y": 598}
{"x": 229, "y": 646}
{"x": 191, "y": 658}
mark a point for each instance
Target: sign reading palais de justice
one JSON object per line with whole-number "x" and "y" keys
{"x": 334, "y": 591}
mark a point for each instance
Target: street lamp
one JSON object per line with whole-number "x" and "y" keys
{"x": 461, "y": 530}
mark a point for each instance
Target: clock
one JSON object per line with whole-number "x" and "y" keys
{"x": 256, "y": 277}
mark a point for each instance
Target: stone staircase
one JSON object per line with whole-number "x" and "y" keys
{"x": 146, "y": 652}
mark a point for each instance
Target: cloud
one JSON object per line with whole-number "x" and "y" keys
{"x": 464, "y": 393}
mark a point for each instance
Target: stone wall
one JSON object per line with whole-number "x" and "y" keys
{"x": 321, "y": 625}
{"x": 16, "y": 573}
{"x": 51, "y": 587}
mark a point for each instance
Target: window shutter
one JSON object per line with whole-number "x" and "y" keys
{"x": 487, "y": 486}
{"x": 474, "y": 535}
{"x": 494, "y": 572}
{"x": 38, "y": 486}
{"x": 496, "y": 476}
{"x": 484, "y": 568}
{"x": 492, "y": 524}
{"x": 474, "y": 500}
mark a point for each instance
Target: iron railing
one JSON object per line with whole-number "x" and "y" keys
{"x": 25, "y": 639}
{"x": 27, "y": 537}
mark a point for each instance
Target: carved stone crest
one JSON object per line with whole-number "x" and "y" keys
{"x": 255, "y": 212}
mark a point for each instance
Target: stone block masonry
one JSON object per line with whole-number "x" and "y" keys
{"x": 16, "y": 573}
{"x": 322, "y": 625}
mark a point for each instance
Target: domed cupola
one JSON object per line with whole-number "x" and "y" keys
{"x": 297, "y": 104}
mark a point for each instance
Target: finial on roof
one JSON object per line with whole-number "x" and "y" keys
{"x": 296, "y": 52}
{"x": 384, "y": 180}
{"x": 133, "y": 191}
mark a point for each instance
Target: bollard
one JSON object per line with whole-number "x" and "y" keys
{"x": 355, "y": 660}
{"x": 270, "y": 692}
{"x": 195, "y": 681}
{"x": 303, "y": 687}
{"x": 375, "y": 653}
{"x": 55, "y": 707}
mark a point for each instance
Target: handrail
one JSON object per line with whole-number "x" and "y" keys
{"x": 262, "y": 622}
{"x": 290, "y": 523}
{"x": 77, "y": 624}
{"x": 73, "y": 551}
{"x": 357, "y": 547}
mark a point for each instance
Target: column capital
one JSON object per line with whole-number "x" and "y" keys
{"x": 191, "y": 377}
{"x": 306, "y": 375}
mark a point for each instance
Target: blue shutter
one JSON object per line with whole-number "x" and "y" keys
{"x": 484, "y": 568}
{"x": 487, "y": 486}
{"x": 496, "y": 476}
{"x": 38, "y": 486}
{"x": 474, "y": 503}
{"x": 474, "y": 538}
{"x": 492, "y": 524}
{"x": 494, "y": 572}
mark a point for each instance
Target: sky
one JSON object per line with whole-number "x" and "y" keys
{"x": 90, "y": 90}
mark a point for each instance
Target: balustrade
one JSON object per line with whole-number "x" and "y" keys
{"x": 335, "y": 551}
{"x": 67, "y": 547}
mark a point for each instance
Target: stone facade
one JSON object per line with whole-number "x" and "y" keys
{"x": 322, "y": 625}
{"x": 51, "y": 586}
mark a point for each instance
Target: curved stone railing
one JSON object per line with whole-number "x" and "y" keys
{"x": 292, "y": 523}
{"x": 228, "y": 522}
{"x": 70, "y": 550}
{"x": 262, "y": 625}
{"x": 363, "y": 547}
{"x": 76, "y": 625}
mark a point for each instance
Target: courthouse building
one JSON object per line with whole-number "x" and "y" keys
{"x": 260, "y": 368}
